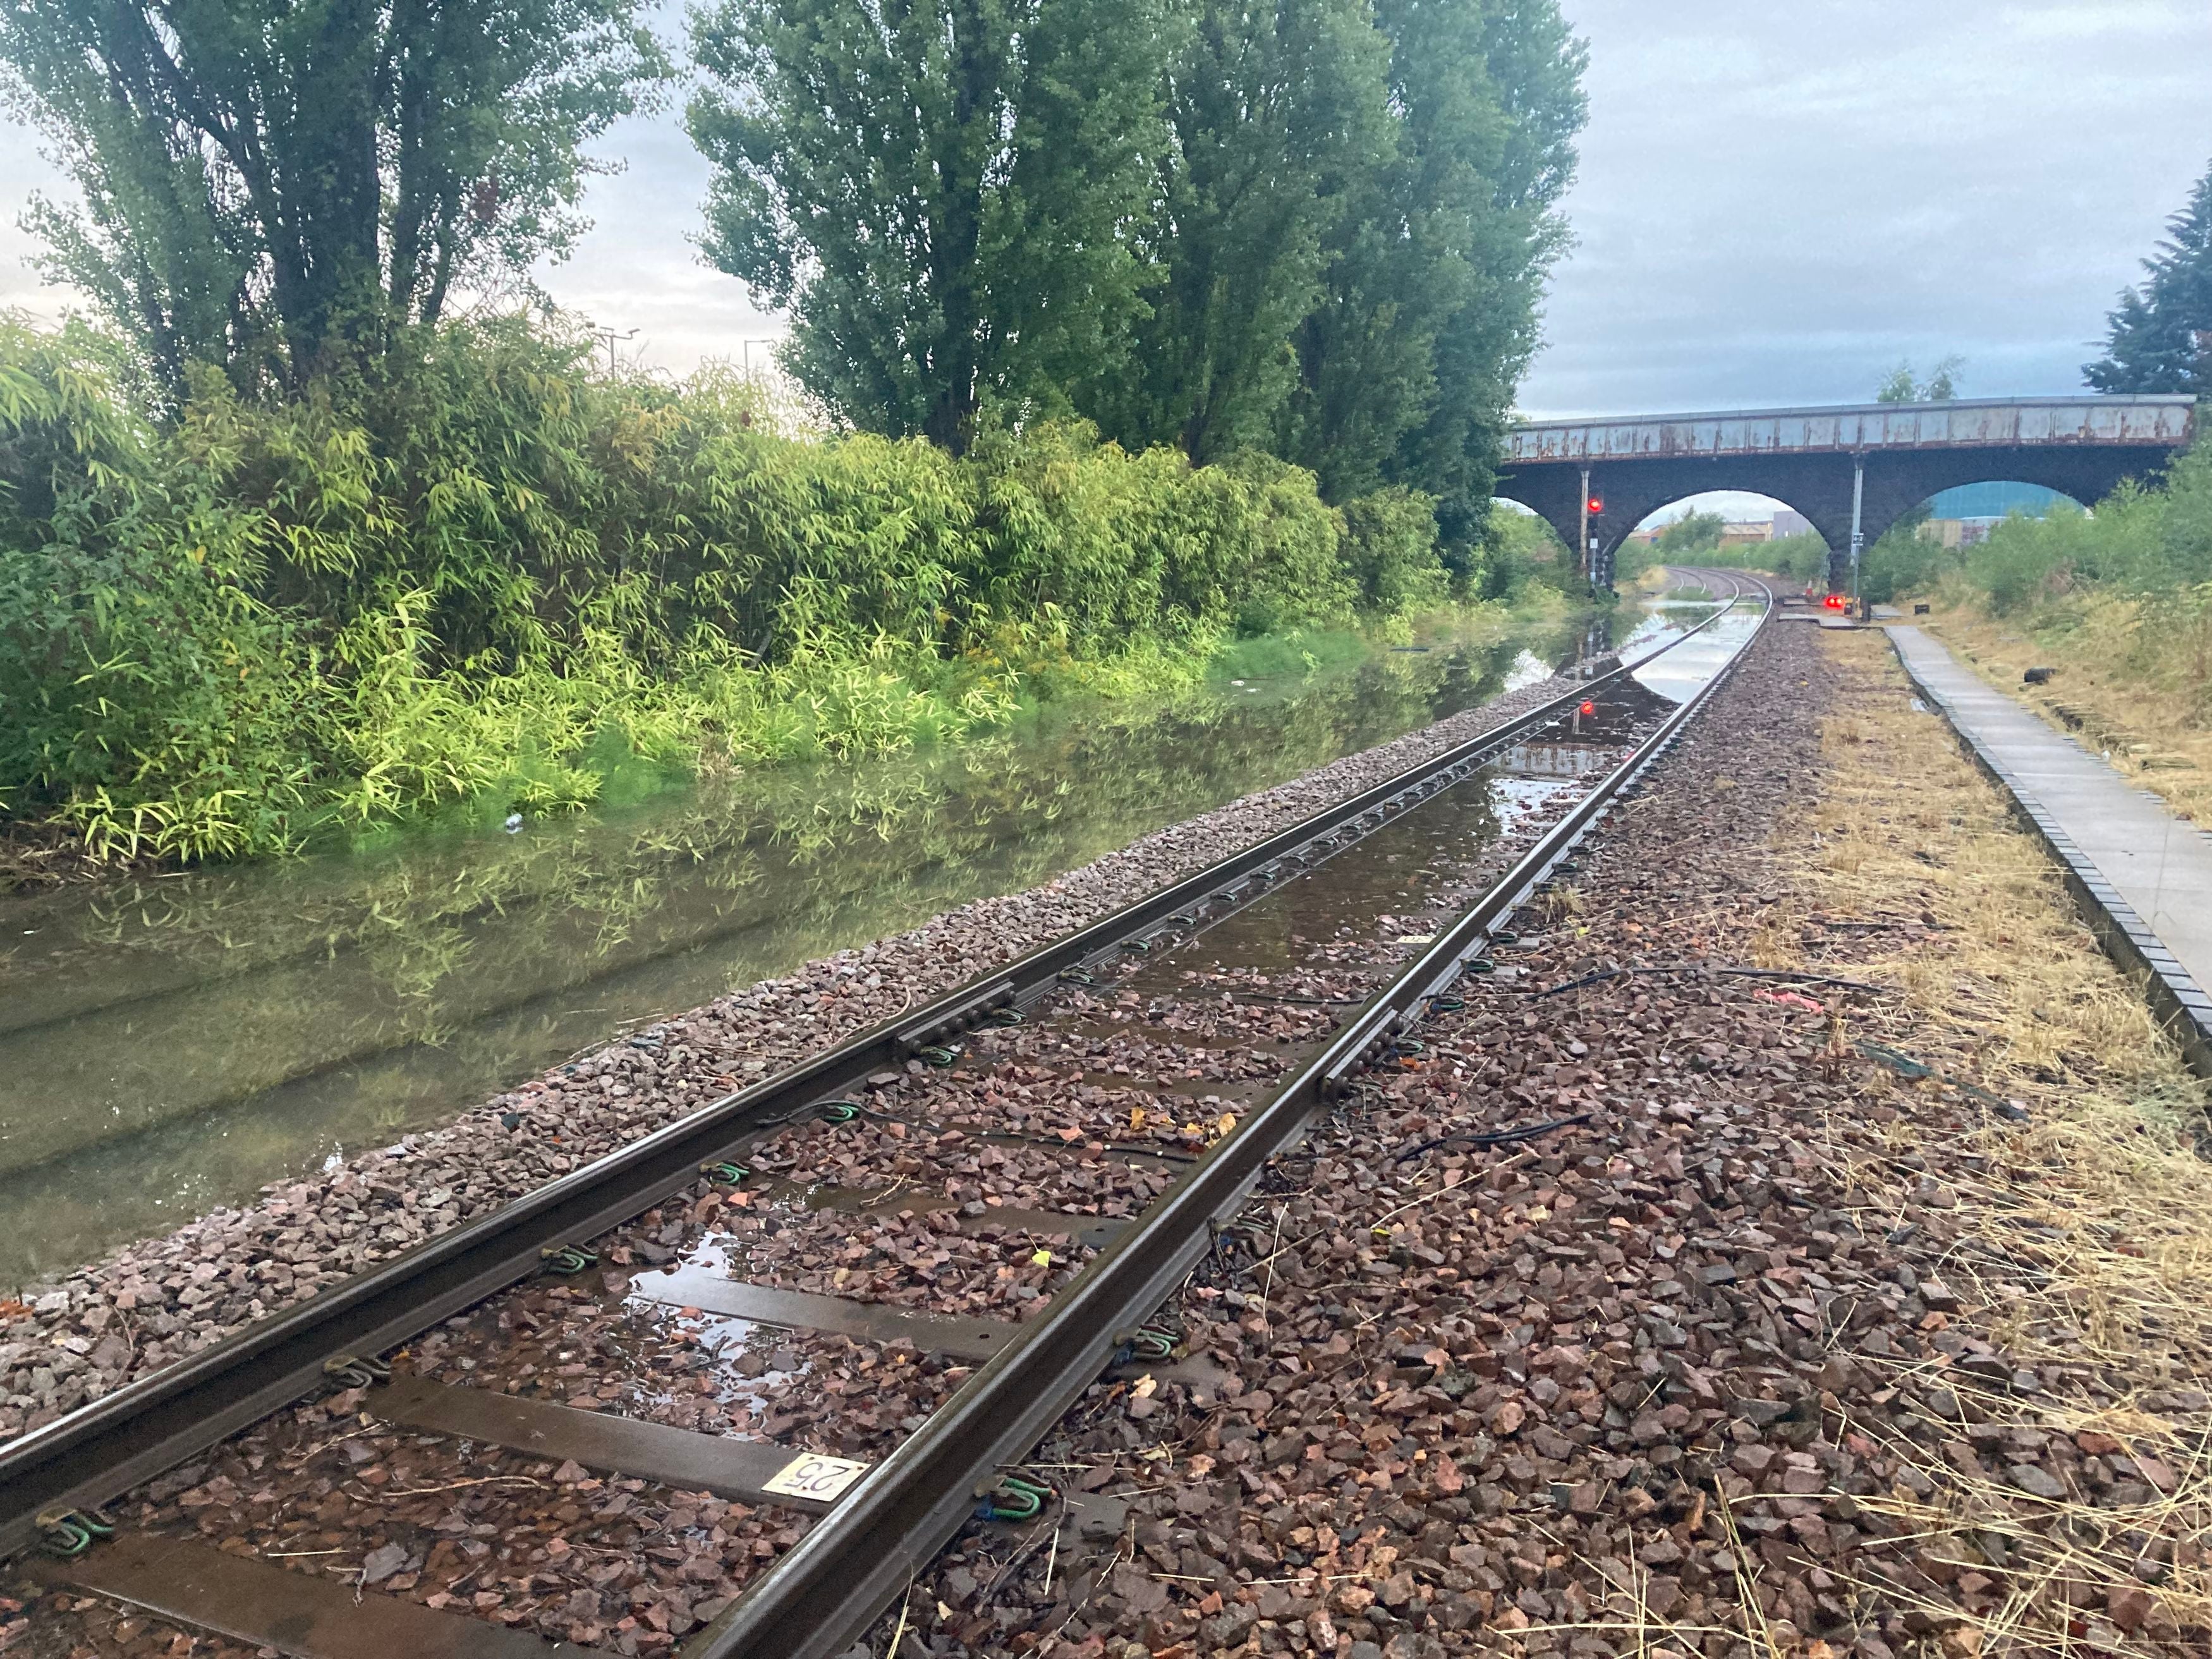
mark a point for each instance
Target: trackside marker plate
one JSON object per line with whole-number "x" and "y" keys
{"x": 814, "y": 1476}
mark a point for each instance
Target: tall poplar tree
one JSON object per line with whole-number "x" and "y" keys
{"x": 268, "y": 184}
{"x": 1409, "y": 366}
{"x": 1356, "y": 211}
{"x": 1278, "y": 116}
{"x": 939, "y": 191}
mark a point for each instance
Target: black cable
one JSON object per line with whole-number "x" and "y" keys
{"x": 1497, "y": 1137}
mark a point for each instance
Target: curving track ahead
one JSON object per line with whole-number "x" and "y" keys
{"x": 1243, "y": 999}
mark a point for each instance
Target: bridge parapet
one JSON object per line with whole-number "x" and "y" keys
{"x": 1974, "y": 422}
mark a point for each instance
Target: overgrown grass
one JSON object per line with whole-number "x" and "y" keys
{"x": 2118, "y": 602}
{"x": 2126, "y": 683}
{"x": 484, "y": 578}
{"x": 2094, "y": 1232}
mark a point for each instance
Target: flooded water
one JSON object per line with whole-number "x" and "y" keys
{"x": 170, "y": 1045}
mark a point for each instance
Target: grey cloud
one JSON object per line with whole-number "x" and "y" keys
{"x": 1776, "y": 203}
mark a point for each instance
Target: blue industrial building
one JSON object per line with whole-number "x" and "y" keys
{"x": 1994, "y": 501}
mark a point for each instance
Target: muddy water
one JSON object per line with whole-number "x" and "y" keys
{"x": 169, "y": 1046}
{"x": 1334, "y": 933}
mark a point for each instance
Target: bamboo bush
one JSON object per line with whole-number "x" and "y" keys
{"x": 480, "y": 571}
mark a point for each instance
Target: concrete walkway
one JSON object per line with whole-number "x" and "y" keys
{"x": 2146, "y": 875}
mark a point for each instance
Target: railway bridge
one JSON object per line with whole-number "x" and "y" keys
{"x": 1852, "y": 470}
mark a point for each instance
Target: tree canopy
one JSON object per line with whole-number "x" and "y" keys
{"x": 1408, "y": 369}
{"x": 1314, "y": 227}
{"x": 1275, "y": 123}
{"x": 1941, "y": 385}
{"x": 2161, "y": 334}
{"x": 1695, "y": 532}
{"x": 267, "y": 183}
{"x": 940, "y": 192}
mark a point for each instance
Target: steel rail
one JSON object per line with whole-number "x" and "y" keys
{"x": 820, "y": 1595}
{"x": 101, "y": 1450}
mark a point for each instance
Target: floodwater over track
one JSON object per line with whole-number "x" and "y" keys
{"x": 167, "y": 1046}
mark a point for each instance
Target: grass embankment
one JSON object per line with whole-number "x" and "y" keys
{"x": 2091, "y": 1216}
{"x": 2118, "y": 601}
{"x": 481, "y": 577}
{"x": 2130, "y": 684}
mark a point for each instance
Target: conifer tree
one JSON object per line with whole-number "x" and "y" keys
{"x": 2161, "y": 334}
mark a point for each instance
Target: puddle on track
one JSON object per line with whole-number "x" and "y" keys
{"x": 169, "y": 1046}
{"x": 753, "y": 1365}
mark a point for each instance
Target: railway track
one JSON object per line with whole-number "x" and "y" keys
{"x": 973, "y": 1212}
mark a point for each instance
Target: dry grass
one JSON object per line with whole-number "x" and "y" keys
{"x": 2088, "y": 1229}
{"x": 2147, "y": 715}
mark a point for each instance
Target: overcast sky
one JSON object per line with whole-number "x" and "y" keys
{"x": 1776, "y": 203}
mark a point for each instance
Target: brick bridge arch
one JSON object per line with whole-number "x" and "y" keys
{"x": 1893, "y": 456}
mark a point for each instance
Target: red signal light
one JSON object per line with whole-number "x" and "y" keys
{"x": 1588, "y": 709}
{"x": 1596, "y": 505}
{"x": 1834, "y": 602}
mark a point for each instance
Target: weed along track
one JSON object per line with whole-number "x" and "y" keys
{"x": 733, "y": 1388}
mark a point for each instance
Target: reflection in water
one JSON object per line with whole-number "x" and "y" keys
{"x": 1597, "y": 636}
{"x": 170, "y": 1045}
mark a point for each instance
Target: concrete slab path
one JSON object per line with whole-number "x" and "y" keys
{"x": 2150, "y": 871}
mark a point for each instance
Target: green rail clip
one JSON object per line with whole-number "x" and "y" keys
{"x": 68, "y": 1534}
{"x": 351, "y": 1371}
{"x": 1015, "y": 1497}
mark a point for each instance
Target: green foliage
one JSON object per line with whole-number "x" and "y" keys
{"x": 1902, "y": 561}
{"x": 1434, "y": 275}
{"x": 2147, "y": 545}
{"x": 1794, "y": 558}
{"x": 1290, "y": 545}
{"x": 1803, "y": 558}
{"x": 1695, "y": 532}
{"x": 1275, "y": 117}
{"x": 1318, "y": 227}
{"x": 2161, "y": 334}
{"x": 265, "y": 185}
{"x": 2127, "y": 588}
{"x": 1940, "y": 388}
{"x": 1390, "y": 549}
{"x": 1518, "y": 550}
{"x": 937, "y": 192}
{"x": 477, "y": 572}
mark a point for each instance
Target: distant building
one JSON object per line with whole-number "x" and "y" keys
{"x": 1788, "y": 523}
{"x": 1963, "y": 517}
{"x": 1740, "y": 532}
